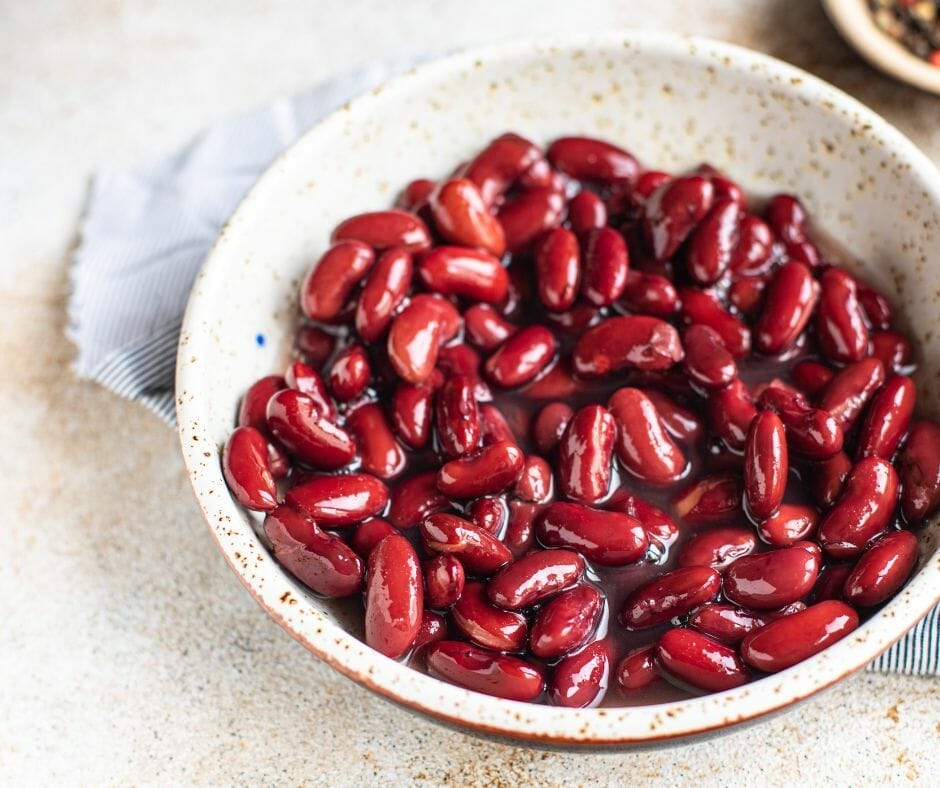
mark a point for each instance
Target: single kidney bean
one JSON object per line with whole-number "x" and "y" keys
{"x": 791, "y": 297}
{"x": 811, "y": 377}
{"x": 394, "y": 597}
{"x": 490, "y": 513}
{"x": 919, "y": 468}
{"x": 670, "y": 595}
{"x": 529, "y": 215}
{"x": 416, "y": 335}
{"x": 637, "y": 341}
{"x": 335, "y": 501}
{"x": 864, "y": 509}
{"x": 813, "y": 432}
{"x": 495, "y": 427}
{"x": 316, "y": 558}
{"x": 877, "y": 308}
{"x": 730, "y": 413}
{"x": 550, "y": 425}
{"x": 586, "y": 212}
{"x": 828, "y": 477}
{"x": 576, "y": 320}
{"x": 789, "y": 524}
{"x": 831, "y": 580}
{"x": 643, "y": 446}
{"x": 468, "y": 273}
{"x": 607, "y": 538}
{"x": 384, "y": 229}
{"x": 637, "y": 669}
{"x": 412, "y": 406}
{"x": 747, "y": 294}
{"x": 718, "y": 548}
{"x": 753, "y": 253}
{"x": 297, "y": 422}
{"x": 766, "y": 465}
{"x": 707, "y": 360}
{"x": 536, "y": 484}
{"x": 850, "y": 389}
{"x": 787, "y": 217}
{"x": 580, "y": 680}
{"x": 381, "y": 455}
{"x": 415, "y": 195}
{"x": 520, "y": 530}
{"x": 726, "y": 623}
{"x": 725, "y": 188}
{"x": 534, "y": 577}
{"x": 253, "y": 409}
{"x": 500, "y": 164}
{"x": 713, "y": 241}
{"x": 479, "y": 551}
{"x": 893, "y": 349}
{"x": 673, "y": 211}
{"x": 350, "y": 373}
{"x": 246, "y": 468}
{"x": 590, "y": 159}
{"x": 308, "y": 381}
{"x": 701, "y": 306}
{"x": 700, "y": 661}
{"x": 414, "y": 499}
{"x": 461, "y": 359}
{"x": 487, "y": 625}
{"x": 555, "y": 382}
{"x": 710, "y": 499}
{"x": 384, "y": 290}
{"x": 462, "y": 217}
{"x": 584, "y": 454}
{"x": 483, "y": 671}
{"x": 313, "y": 345}
{"x": 521, "y": 357}
{"x": 605, "y": 266}
{"x": 489, "y": 470}
{"x": 887, "y": 418}
{"x": 486, "y": 328}
{"x": 649, "y": 294}
{"x": 457, "y": 417}
{"x": 882, "y": 570}
{"x": 558, "y": 269}
{"x": 840, "y": 327}
{"x": 542, "y": 174}
{"x": 368, "y": 534}
{"x": 683, "y": 424}
{"x": 432, "y": 629}
{"x": 566, "y": 622}
{"x": 769, "y": 580}
{"x": 328, "y": 284}
{"x": 789, "y": 640}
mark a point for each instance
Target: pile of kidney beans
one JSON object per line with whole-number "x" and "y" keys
{"x": 556, "y": 417}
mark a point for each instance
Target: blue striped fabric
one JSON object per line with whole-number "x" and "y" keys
{"x": 145, "y": 233}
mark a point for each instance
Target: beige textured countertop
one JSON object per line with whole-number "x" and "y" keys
{"x": 129, "y": 653}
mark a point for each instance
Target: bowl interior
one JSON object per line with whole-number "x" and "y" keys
{"x": 674, "y": 103}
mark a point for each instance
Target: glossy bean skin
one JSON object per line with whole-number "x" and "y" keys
{"x": 605, "y": 265}
{"x": 500, "y": 164}
{"x": 831, "y": 580}
{"x": 643, "y": 446}
{"x": 887, "y": 419}
{"x": 590, "y": 159}
{"x": 606, "y": 538}
{"x": 710, "y": 500}
{"x": 683, "y": 424}
{"x": 367, "y": 534}
{"x": 486, "y": 328}
{"x": 444, "y": 580}
{"x": 247, "y": 470}
{"x": 432, "y": 629}
{"x": 252, "y": 410}
{"x": 636, "y": 341}
{"x": 414, "y": 499}
{"x": 313, "y": 345}
{"x": 698, "y": 660}
{"x": 767, "y": 581}
{"x": 307, "y": 381}
{"x": 490, "y": 513}
{"x": 463, "y": 272}
{"x": 649, "y": 294}
{"x": 766, "y": 464}
{"x": 586, "y": 212}
{"x": 328, "y": 284}
{"x": 718, "y": 548}
{"x": 584, "y": 454}
{"x": 725, "y": 623}
{"x": 565, "y": 622}
{"x": 484, "y": 671}
{"x": 457, "y": 417}
{"x": 558, "y": 269}
{"x": 550, "y": 425}
{"x": 789, "y": 524}
{"x": 637, "y": 669}
{"x": 791, "y": 297}
{"x": 846, "y": 395}
{"x": 383, "y": 230}
{"x": 580, "y": 680}
{"x": 707, "y": 360}
{"x": 812, "y": 432}
{"x": 536, "y": 484}
{"x": 381, "y": 454}
{"x": 753, "y": 252}
{"x": 479, "y": 551}
{"x": 712, "y": 243}
{"x": 882, "y": 569}
{"x": 394, "y": 598}
{"x": 350, "y": 373}
{"x": 481, "y": 622}
{"x": 919, "y": 469}
{"x": 893, "y": 349}
{"x": 521, "y": 357}
{"x": 659, "y": 526}
{"x": 673, "y": 211}
{"x": 534, "y": 577}
{"x": 840, "y": 326}
{"x": 876, "y": 306}
{"x": 416, "y": 335}
{"x": 529, "y": 215}
{"x": 828, "y": 478}
{"x": 384, "y": 290}
{"x": 731, "y": 411}
{"x": 412, "y": 412}
{"x": 811, "y": 377}
{"x": 669, "y": 595}
{"x": 298, "y": 423}
{"x": 462, "y": 217}
{"x": 489, "y": 470}
{"x": 336, "y": 501}
{"x": 702, "y": 307}
{"x": 789, "y": 640}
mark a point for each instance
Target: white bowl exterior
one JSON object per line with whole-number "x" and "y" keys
{"x": 674, "y": 102}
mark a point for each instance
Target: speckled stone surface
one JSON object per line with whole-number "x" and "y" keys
{"x": 128, "y": 651}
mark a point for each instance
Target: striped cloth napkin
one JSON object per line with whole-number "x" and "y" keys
{"x": 145, "y": 232}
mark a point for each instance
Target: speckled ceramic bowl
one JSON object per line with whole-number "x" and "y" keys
{"x": 674, "y": 102}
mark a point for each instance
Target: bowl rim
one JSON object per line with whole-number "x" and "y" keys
{"x": 283, "y": 599}
{"x": 856, "y": 25}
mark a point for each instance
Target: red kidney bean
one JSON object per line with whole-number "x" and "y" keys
{"x": 462, "y": 217}
{"x": 414, "y": 499}
{"x": 605, "y": 266}
{"x": 747, "y": 294}
{"x": 461, "y": 359}
{"x": 590, "y": 159}
{"x": 483, "y": 671}
{"x": 586, "y": 212}
{"x": 786, "y": 610}
{"x": 584, "y": 454}
{"x": 486, "y": 328}
{"x": 726, "y": 623}
{"x": 488, "y": 470}
{"x": 335, "y": 501}
{"x": 479, "y": 551}
{"x": 787, "y": 216}
{"x": 520, "y": 530}
{"x": 673, "y": 211}
{"x": 550, "y": 425}
{"x": 864, "y": 509}
{"x": 850, "y": 389}
{"x": 416, "y": 335}
{"x": 555, "y": 382}
{"x": 566, "y": 622}
{"x": 298, "y": 423}
{"x": 368, "y": 534}
{"x": 791, "y": 297}
{"x": 707, "y": 360}
{"x": 576, "y": 320}
{"x": 485, "y": 624}
{"x": 494, "y": 425}
{"x": 521, "y": 357}
{"x": 252, "y": 411}
{"x": 643, "y": 446}
{"x": 769, "y": 580}
{"x": 887, "y": 418}
{"x": 607, "y": 538}
{"x": 313, "y": 345}
{"x": 637, "y": 341}
{"x": 812, "y": 432}
{"x": 881, "y": 571}
{"x": 831, "y": 580}
{"x": 670, "y": 595}
{"x": 649, "y": 294}
{"x": 350, "y": 373}
{"x": 468, "y": 273}
{"x": 536, "y": 484}
{"x": 490, "y": 514}
{"x": 580, "y": 680}
{"x": 713, "y": 241}
{"x": 384, "y": 229}
{"x": 530, "y": 214}
{"x": 790, "y": 523}
{"x": 316, "y": 558}
{"x": 412, "y": 406}
{"x": 500, "y": 164}
{"x": 828, "y": 477}
{"x": 919, "y": 469}
{"x": 725, "y": 188}
{"x": 700, "y": 661}
{"x": 457, "y": 417}
{"x": 383, "y": 292}
{"x": 308, "y": 381}
{"x": 710, "y": 499}
{"x": 811, "y": 377}
{"x": 247, "y": 471}
{"x": 730, "y": 413}
{"x": 753, "y": 253}
{"x": 558, "y": 269}
{"x": 840, "y": 327}
{"x": 432, "y": 629}
{"x": 394, "y": 597}
{"x": 875, "y": 305}
{"x": 540, "y": 174}
{"x": 415, "y": 194}
{"x": 718, "y": 548}
{"x": 766, "y": 465}
{"x": 893, "y": 349}
{"x": 637, "y": 669}
{"x": 659, "y": 526}
{"x": 329, "y": 283}
{"x": 787, "y": 641}
{"x": 534, "y": 577}
{"x": 683, "y": 424}
{"x": 381, "y": 455}
{"x": 700, "y": 306}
